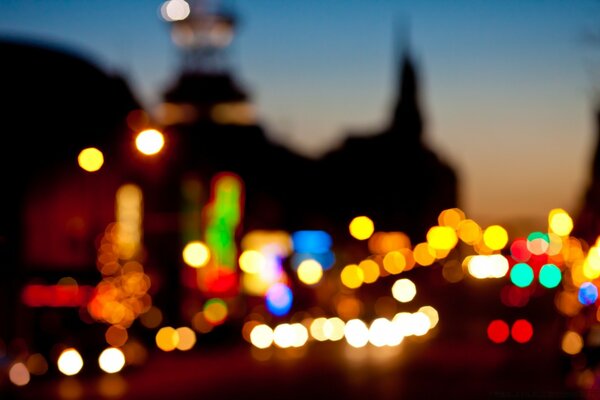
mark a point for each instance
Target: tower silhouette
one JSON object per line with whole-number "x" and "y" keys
{"x": 391, "y": 176}
{"x": 587, "y": 222}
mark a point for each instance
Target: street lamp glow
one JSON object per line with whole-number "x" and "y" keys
{"x": 150, "y": 142}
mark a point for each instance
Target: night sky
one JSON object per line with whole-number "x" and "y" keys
{"x": 509, "y": 88}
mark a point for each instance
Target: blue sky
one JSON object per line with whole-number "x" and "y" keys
{"x": 508, "y": 85}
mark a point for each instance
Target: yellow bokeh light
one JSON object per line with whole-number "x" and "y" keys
{"x": 394, "y": 262}
{"x": 149, "y": 142}
{"x": 424, "y": 254}
{"x": 572, "y": 343}
{"x": 252, "y": 261}
{"x": 361, "y": 228}
{"x": 352, "y": 276}
{"x": 90, "y": 159}
{"x": 196, "y": 254}
{"x": 560, "y": 222}
{"x": 261, "y": 336}
{"x": 469, "y": 231}
{"x": 167, "y": 338}
{"x": 451, "y": 217}
{"x": 404, "y": 290}
{"x": 111, "y": 360}
{"x": 70, "y": 362}
{"x": 495, "y": 237}
{"x": 310, "y": 272}
{"x": 187, "y": 338}
{"x": 442, "y": 237}
{"x": 384, "y": 242}
{"x": 370, "y": 270}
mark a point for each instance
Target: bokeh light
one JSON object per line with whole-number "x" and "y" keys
{"x": 538, "y": 243}
{"x": 361, "y": 228}
{"x": 187, "y": 338}
{"x": 310, "y": 272}
{"x": 90, "y": 159}
{"x": 498, "y": 331}
{"x": 424, "y": 254}
{"x": 111, "y": 360}
{"x": 451, "y": 217}
{"x": 560, "y": 222}
{"x": 521, "y": 275}
{"x": 116, "y": 335}
{"x": 588, "y": 293}
{"x": 469, "y": 231}
{"x": 521, "y": 331}
{"x": 215, "y": 311}
{"x": 352, "y": 276}
{"x": 370, "y": 270}
{"x": 175, "y": 10}
{"x": 356, "y": 333}
{"x": 572, "y": 343}
{"x": 495, "y": 237}
{"x": 167, "y": 338}
{"x": 432, "y": 314}
{"x": 279, "y": 299}
{"x": 519, "y": 251}
{"x": 442, "y": 237}
{"x": 261, "y": 336}
{"x": 70, "y": 362}
{"x": 37, "y": 364}
{"x": 550, "y": 276}
{"x": 487, "y": 266}
{"x": 252, "y": 261}
{"x": 404, "y": 290}
{"x": 149, "y": 142}
{"x": 18, "y": 374}
{"x": 196, "y": 254}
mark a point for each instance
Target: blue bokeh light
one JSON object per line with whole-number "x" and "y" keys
{"x": 311, "y": 241}
{"x": 279, "y": 299}
{"x": 588, "y": 293}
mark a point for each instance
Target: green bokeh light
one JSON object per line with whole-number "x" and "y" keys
{"x": 550, "y": 276}
{"x": 521, "y": 275}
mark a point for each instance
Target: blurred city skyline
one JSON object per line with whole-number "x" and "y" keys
{"x": 508, "y": 89}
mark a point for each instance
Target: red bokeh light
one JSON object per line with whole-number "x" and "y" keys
{"x": 497, "y": 331}
{"x": 522, "y": 331}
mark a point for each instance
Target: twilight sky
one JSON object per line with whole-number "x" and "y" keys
{"x": 509, "y": 87}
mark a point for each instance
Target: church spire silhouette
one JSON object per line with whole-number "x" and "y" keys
{"x": 407, "y": 112}
{"x": 406, "y": 122}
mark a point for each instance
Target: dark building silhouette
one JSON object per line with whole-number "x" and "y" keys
{"x": 53, "y": 104}
{"x": 587, "y": 222}
{"x": 390, "y": 176}
{"x": 55, "y": 212}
